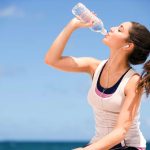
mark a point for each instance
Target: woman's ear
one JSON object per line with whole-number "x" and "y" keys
{"x": 131, "y": 45}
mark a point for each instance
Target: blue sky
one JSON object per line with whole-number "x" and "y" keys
{"x": 38, "y": 102}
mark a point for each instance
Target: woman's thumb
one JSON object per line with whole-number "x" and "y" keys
{"x": 89, "y": 24}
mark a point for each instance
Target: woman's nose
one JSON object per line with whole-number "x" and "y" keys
{"x": 112, "y": 29}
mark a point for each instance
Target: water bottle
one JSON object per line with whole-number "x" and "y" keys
{"x": 85, "y": 15}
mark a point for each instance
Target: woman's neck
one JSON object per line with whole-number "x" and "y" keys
{"x": 117, "y": 64}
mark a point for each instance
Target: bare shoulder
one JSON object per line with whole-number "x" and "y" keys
{"x": 131, "y": 86}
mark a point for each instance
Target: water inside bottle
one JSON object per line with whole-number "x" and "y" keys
{"x": 98, "y": 27}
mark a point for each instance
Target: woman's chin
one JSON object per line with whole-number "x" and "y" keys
{"x": 104, "y": 40}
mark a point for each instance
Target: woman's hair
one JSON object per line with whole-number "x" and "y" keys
{"x": 139, "y": 35}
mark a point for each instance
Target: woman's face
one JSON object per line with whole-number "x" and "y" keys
{"x": 117, "y": 36}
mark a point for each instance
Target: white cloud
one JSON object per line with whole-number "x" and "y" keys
{"x": 11, "y": 11}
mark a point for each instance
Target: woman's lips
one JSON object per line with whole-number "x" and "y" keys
{"x": 107, "y": 35}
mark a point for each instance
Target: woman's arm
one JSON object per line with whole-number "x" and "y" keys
{"x": 54, "y": 56}
{"x": 125, "y": 119}
{"x": 55, "y": 52}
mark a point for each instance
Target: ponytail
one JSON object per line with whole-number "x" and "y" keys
{"x": 145, "y": 78}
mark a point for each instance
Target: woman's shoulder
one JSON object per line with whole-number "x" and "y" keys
{"x": 134, "y": 79}
{"x": 133, "y": 72}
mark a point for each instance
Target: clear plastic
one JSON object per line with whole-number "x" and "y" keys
{"x": 85, "y": 15}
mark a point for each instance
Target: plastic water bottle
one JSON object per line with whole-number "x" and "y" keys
{"x": 85, "y": 15}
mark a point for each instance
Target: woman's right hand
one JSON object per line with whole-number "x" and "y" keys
{"x": 77, "y": 23}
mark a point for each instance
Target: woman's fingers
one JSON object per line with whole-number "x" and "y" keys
{"x": 89, "y": 24}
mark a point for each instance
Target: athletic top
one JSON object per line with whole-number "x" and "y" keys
{"x": 106, "y": 108}
{"x": 109, "y": 91}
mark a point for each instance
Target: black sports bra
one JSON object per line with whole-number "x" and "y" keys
{"x": 114, "y": 87}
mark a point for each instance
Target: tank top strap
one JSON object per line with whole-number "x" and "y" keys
{"x": 98, "y": 69}
{"x": 126, "y": 78}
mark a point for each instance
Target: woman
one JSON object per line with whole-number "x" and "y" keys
{"x": 116, "y": 90}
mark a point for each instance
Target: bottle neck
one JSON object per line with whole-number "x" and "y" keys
{"x": 103, "y": 31}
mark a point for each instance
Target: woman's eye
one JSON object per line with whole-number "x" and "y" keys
{"x": 119, "y": 30}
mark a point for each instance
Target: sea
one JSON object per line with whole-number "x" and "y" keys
{"x": 11, "y": 145}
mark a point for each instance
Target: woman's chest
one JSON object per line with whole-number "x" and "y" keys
{"x": 108, "y": 80}
{"x": 112, "y": 103}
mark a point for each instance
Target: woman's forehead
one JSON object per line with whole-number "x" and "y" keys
{"x": 126, "y": 25}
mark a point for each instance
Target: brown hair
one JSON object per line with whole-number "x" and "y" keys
{"x": 139, "y": 35}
